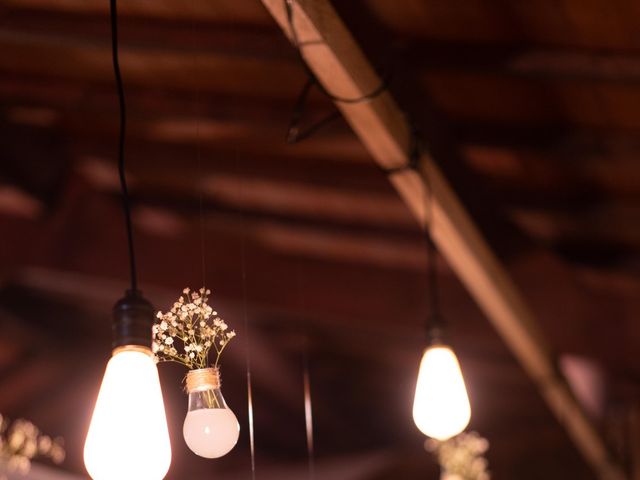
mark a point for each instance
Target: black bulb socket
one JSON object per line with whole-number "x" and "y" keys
{"x": 436, "y": 333}
{"x": 132, "y": 321}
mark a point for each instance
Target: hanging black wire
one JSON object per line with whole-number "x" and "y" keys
{"x": 121, "y": 142}
{"x": 295, "y": 133}
{"x": 434, "y": 320}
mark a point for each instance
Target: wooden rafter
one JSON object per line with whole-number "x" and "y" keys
{"x": 340, "y": 65}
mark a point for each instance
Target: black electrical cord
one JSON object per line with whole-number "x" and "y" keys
{"x": 294, "y": 133}
{"x": 121, "y": 141}
{"x": 435, "y": 323}
{"x": 298, "y": 45}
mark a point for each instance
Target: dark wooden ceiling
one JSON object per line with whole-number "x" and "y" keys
{"x": 534, "y": 108}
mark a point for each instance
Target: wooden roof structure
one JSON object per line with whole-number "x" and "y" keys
{"x": 530, "y": 111}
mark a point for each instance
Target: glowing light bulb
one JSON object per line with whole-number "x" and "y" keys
{"x": 210, "y": 429}
{"x": 128, "y": 437}
{"x": 441, "y": 406}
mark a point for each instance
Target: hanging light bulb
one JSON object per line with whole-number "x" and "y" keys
{"x": 128, "y": 437}
{"x": 441, "y": 407}
{"x": 210, "y": 429}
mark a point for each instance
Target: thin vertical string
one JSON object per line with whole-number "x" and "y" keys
{"x": 243, "y": 266}
{"x": 196, "y": 90}
{"x": 252, "y": 444}
{"x": 306, "y": 382}
{"x": 121, "y": 142}
{"x": 308, "y": 417}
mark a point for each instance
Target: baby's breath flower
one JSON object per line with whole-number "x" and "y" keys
{"x": 188, "y": 332}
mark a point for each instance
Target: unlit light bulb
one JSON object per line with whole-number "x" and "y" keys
{"x": 128, "y": 437}
{"x": 441, "y": 407}
{"x": 210, "y": 429}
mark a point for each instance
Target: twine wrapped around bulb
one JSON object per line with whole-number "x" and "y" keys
{"x": 202, "y": 379}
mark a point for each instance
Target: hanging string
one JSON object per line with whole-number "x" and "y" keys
{"x": 121, "y": 142}
{"x": 308, "y": 417}
{"x": 306, "y": 378}
{"x": 252, "y": 444}
{"x": 245, "y": 314}
{"x": 196, "y": 91}
{"x": 295, "y": 133}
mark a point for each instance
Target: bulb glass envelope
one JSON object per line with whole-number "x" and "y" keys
{"x": 441, "y": 407}
{"x": 128, "y": 437}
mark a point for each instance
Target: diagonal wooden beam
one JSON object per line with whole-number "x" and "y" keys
{"x": 340, "y": 65}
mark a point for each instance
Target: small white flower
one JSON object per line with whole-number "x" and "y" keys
{"x": 186, "y": 290}
{"x": 163, "y": 325}
{"x": 159, "y": 315}
{"x": 155, "y": 347}
{"x": 198, "y": 348}
{"x": 203, "y": 324}
{"x": 191, "y": 332}
{"x": 168, "y": 340}
{"x": 192, "y": 355}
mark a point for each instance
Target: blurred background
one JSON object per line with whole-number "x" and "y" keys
{"x": 532, "y": 110}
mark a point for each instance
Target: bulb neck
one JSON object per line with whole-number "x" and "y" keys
{"x": 436, "y": 336}
{"x": 132, "y": 348}
{"x": 202, "y": 379}
{"x": 132, "y": 321}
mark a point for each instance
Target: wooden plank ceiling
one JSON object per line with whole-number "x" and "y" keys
{"x": 535, "y": 106}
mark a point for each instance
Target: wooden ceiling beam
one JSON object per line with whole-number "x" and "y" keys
{"x": 332, "y": 53}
